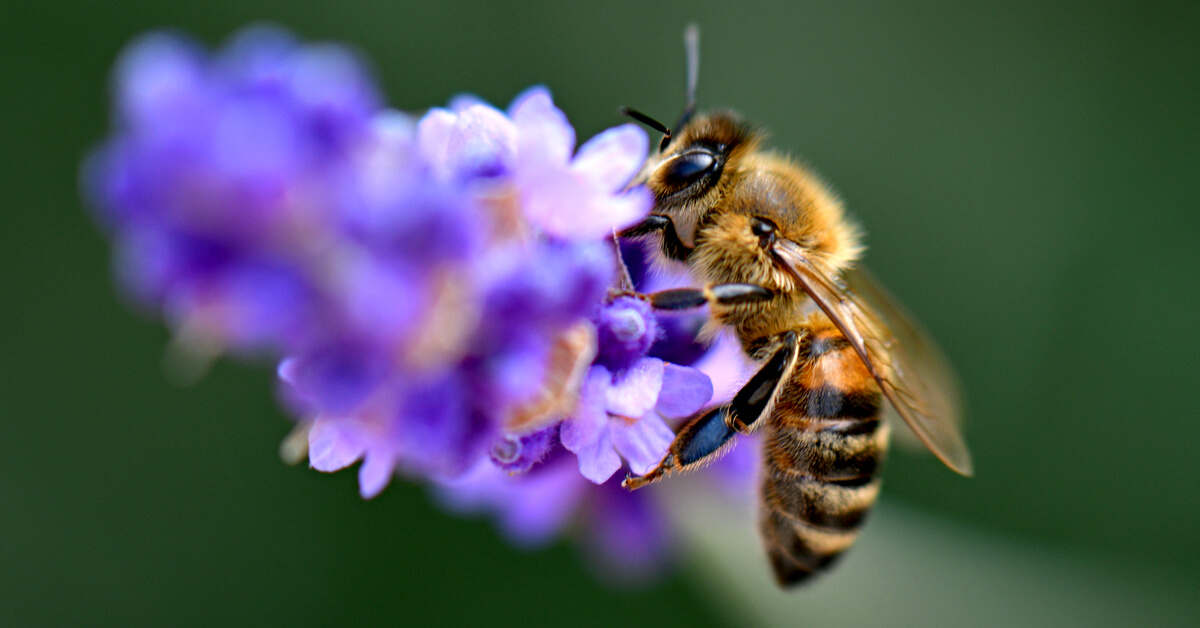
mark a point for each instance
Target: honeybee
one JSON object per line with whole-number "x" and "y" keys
{"x": 779, "y": 260}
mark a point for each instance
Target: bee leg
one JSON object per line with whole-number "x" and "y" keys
{"x": 699, "y": 439}
{"x": 755, "y": 398}
{"x": 719, "y": 294}
{"x": 703, "y": 439}
{"x": 672, "y": 246}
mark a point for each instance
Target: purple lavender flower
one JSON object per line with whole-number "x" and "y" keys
{"x": 626, "y": 395}
{"x": 437, "y": 291}
{"x": 574, "y": 198}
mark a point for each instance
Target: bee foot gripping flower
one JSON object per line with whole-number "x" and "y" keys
{"x": 435, "y": 290}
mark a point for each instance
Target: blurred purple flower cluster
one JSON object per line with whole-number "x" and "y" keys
{"x": 437, "y": 291}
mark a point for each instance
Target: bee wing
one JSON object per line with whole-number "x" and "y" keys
{"x": 912, "y": 372}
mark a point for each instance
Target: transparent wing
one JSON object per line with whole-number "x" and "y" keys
{"x": 912, "y": 372}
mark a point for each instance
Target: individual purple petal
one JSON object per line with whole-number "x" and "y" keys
{"x": 579, "y": 201}
{"x": 635, "y": 392}
{"x": 390, "y": 167}
{"x": 481, "y": 143}
{"x": 544, "y": 136}
{"x": 643, "y": 442}
{"x": 557, "y": 206}
{"x": 590, "y": 420}
{"x": 598, "y": 460}
{"x": 684, "y": 391}
{"x": 376, "y": 473}
{"x": 610, "y": 159}
{"x": 616, "y": 211}
{"x": 433, "y": 135}
{"x": 460, "y": 102}
{"x": 329, "y": 448}
{"x": 473, "y": 141}
{"x": 159, "y": 82}
{"x": 586, "y": 434}
{"x": 549, "y": 199}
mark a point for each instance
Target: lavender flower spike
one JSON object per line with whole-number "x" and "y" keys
{"x": 437, "y": 292}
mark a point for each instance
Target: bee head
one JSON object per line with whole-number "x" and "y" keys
{"x": 687, "y": 174}
{"x": 689, "y": 168}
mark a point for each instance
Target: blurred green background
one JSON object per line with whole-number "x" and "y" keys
{"x": 1028, "y": 177}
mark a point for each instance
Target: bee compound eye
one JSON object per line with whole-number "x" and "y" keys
{"x": 689, "y": 167}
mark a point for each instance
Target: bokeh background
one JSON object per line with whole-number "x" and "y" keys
{"x": 1028, "y": 175}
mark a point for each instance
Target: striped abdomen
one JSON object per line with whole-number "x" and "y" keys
{"x": 824, "y": 443}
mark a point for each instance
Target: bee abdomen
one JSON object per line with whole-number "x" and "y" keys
{"x": 845, "y": 452}
{"x": 823, "y": 449}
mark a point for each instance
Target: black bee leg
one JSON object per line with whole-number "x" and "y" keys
{"x": 648, "y": 225}
{"x": 699, "y": 439}
{"x": 704, "y": 438}
{"x": 720, "y": 294}
{"x": 756, "y": 396}
{"x": 672, "y": 246}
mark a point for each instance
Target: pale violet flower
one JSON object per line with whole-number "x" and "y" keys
{"x": 575, "y": 197}
{"x": 626, "y": 396}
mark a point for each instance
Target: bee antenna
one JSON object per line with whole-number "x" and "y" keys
{"x": 650, "y": 122}
{"x": 691, "y": 43}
